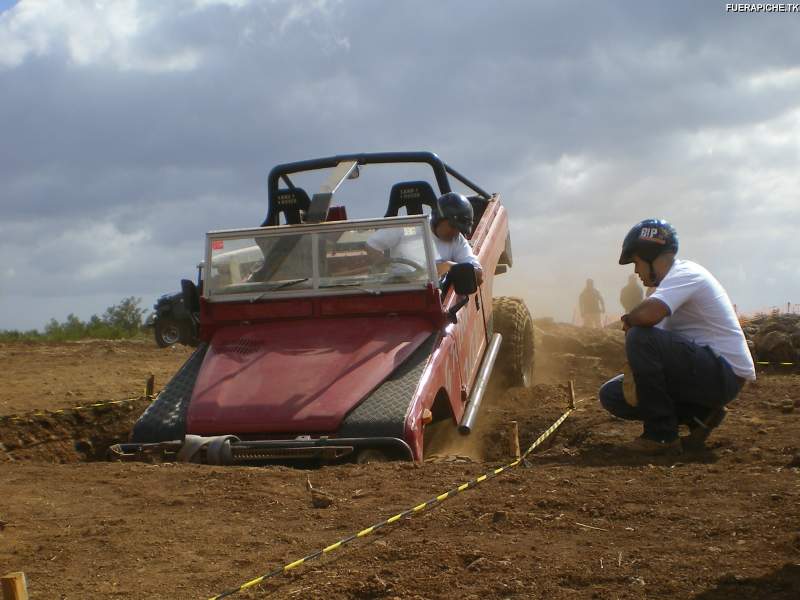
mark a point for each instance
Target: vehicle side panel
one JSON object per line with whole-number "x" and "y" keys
{"x": 442, "y": 372}
{"x": 470, "y": 332}
{"x": 455, "y": 364}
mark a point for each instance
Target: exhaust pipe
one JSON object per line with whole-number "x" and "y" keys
{"x": 481, "y": 382}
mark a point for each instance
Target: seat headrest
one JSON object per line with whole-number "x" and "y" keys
{"x": 411, "y": 195}
{"x": 289, "y": 202}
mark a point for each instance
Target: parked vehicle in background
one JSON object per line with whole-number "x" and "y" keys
{"x": 172, "y": 322}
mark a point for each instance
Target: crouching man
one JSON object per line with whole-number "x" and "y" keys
{"x": 685, "y": 347}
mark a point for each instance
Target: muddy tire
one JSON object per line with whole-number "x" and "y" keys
{"x": 512, "y": 320}
{"x": 165, "y": 419}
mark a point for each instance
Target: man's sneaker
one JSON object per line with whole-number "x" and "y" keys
{"x": 700, "y": 430}
{"x": 643, "y": 445}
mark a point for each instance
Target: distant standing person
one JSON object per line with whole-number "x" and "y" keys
{"x": 685, "y": 347}
{"x": 631, "y": 294}
{"x": 592, "y": 305}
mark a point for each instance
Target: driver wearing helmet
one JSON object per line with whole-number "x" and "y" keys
{"x": 687, "y": 354}
{"x": 450, "y": 224}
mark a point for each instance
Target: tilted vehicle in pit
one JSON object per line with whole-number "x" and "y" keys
{"x": 310, "y": 348}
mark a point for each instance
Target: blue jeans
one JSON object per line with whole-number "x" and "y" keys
{"x": 677, "y": 381}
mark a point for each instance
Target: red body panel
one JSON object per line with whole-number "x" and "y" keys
{"x": 442, "y": 373}
{"x": 297, "y": 376}
{"x": 458, "y": 357}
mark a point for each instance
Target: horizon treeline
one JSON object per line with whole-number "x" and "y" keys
{"x": 120, "y": 321}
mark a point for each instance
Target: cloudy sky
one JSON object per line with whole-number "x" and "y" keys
{"x": 130, "y": 128}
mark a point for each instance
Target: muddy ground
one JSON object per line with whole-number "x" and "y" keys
{"x": 582, "y": 519}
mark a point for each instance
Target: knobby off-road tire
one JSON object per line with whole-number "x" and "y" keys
{"x": 513, "y": 321}
{"x": 165, "y": 419}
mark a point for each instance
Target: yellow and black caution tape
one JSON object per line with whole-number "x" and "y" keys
{"x": 419, "y": 508}
{"x": 148, "y": 394}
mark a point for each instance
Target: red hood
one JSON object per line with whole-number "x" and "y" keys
{"x": 297, "y": 376}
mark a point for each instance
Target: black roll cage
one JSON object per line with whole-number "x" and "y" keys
{"x": 440, "y": 171}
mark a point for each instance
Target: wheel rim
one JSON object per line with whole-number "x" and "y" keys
{"x": 170, "y": 335}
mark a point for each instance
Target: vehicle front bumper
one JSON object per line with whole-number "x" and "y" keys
{"x": 230, "y": 450}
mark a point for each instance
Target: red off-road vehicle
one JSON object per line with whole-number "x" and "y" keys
{"x": 311, "y": 348}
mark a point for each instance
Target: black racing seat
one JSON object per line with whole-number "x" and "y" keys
{"x": 411, "y": 195}
{"x": 289, "y": 202}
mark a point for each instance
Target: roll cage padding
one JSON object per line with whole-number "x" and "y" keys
{"x": 289, "y": 202}
{"x": 411, "y": 195}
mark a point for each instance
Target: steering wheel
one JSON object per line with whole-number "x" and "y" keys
{"x": 398, "y": 260}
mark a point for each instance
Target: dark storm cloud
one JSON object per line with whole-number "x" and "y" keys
{"x": 576, "y": 111}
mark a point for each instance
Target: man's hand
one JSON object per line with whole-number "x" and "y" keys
{"x": 443, "y": 267}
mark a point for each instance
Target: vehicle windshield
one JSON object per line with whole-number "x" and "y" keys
{"x": 369, "y": 256}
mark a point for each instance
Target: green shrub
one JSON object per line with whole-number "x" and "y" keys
{"x": 121, "y": 321}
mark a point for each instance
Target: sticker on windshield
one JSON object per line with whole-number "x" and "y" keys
{"x": 217, "y": 244}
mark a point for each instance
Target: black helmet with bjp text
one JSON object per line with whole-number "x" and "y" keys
{"x": 647, "y": 240}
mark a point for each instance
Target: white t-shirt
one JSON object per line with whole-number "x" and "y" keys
{"x": 456, "y": 250}
{"x": 701, "y": 310}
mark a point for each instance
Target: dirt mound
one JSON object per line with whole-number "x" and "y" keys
{"x": 70, "y": 436}
{"x": 565, "y": 352}
{"x": 587, "y": 356}
{"x": 56, "y": 375}
{"x": 562, "y": 338}
{"x": 774, "y": 338}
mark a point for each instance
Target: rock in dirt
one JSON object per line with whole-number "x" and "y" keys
{"x": 477, "y": 564}
{"x": 373, "y": 587}
{"x": 319, "y": 499}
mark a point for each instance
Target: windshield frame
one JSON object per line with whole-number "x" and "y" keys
{"x": 321, "y": 228}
